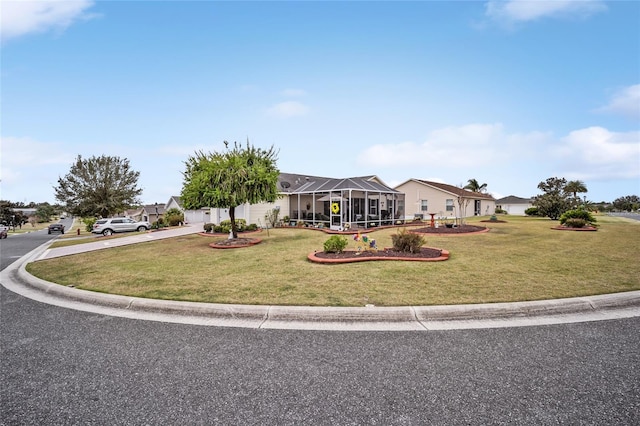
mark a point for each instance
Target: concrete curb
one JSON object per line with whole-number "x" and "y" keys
{"x": 579, "y": 309}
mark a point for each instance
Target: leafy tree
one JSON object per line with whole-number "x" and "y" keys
{"x": 627, "y": 203}
{"x": 99, "y": 186}
{"x": 230, "y": 178}
{"x": 554, "y": 201}
{"x": 474, "y": 186}
{"x": 44, "y": 212}
{"x": 6, "y": 212}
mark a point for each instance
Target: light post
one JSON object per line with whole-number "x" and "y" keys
{"x": 157, "y": 218}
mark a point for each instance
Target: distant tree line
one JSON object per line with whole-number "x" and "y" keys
{"x": 11, "y": 213}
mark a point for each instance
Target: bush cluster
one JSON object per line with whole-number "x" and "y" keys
{"x": 225, "y": 226}
{"x": 88, "y": 223}
{"x": 532, "y": 211}
{"x": 407, "y": 242}
{"x": 174, "y": 217}
{"x": 568, "y": 218}
{"x": 335, "y": 244}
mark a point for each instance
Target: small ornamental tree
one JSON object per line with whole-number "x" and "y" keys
{"x": 555, "y": 200}
{"x": 230, "y": 178}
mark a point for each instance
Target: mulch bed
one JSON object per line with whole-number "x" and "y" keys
{"x": 235, "y": 243}
{"x": 566, "y": 228}
{"x": 425, "y": 253}
{"x": 464, "y": 229}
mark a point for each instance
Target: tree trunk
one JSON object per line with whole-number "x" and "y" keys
{"x": 234, "y": 227}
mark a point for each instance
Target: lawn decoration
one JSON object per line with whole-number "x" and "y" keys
{"x": 364, "y": 243}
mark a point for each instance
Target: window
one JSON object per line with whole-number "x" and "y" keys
{"x": 423, "y": 205}
{"x": 373, "y": 206}
{"x": 450, "y": 205}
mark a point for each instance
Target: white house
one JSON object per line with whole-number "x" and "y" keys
{"x": 514, "y": 205}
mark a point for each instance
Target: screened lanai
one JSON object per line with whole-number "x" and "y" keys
{"x": 340, "y": 204}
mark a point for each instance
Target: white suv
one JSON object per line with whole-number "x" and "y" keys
{"x": 118, "y": 224}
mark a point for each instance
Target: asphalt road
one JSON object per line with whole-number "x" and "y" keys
{"x": 17, "y": 245}
{"x": 65, "y": 367}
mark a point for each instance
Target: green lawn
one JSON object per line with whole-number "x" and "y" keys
{"x": 523, "y": 259}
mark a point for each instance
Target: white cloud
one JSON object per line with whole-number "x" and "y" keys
{"x": 526, "y": 10}
{"x": 597, "y": 153}
{"x": 625, "y": 102}
{"x": 463, "y": 146}
{"x": 24, "y": 17}
{"x": 288, "y": 109}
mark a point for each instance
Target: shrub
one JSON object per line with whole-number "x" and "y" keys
{"x": 208, "y": 227}
{"x": 252, "y": 227}
{"x": 174, "y": 216}
{"x": 407, "y": 242}
{"x": 88, "y": 223}
{"x": 531, "y": 211}
{"x": 335, "y": 244}
{"x": 225, "y": 226}
{"x": 582, "y": 214}
{"x": 575, "y": 223}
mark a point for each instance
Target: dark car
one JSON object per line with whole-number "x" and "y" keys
{"x": 56, "y": 227}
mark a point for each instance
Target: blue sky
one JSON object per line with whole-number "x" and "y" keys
{"x": 508, "y": 93}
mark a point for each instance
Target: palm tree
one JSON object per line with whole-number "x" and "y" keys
{"x": 474, "y": 186}
{"x": 574, "y": 187}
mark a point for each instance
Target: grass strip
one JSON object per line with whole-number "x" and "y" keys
{"x": 523, "y": 259}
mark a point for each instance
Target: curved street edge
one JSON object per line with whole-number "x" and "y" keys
{"x": 405, "y": 318}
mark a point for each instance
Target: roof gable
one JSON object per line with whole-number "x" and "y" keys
{"x": 293, "y": 184}
{"x": 454, "y": 190}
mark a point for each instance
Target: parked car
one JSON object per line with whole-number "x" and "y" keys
{"x": 119, "y": 224}
{"x": 55, "y": 227}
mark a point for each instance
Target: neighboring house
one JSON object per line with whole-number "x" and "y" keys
{"x": 135, "y": 214}
{"x": 152, "y": 212}
{"x": 424, "y": 198}
{"x": 328, "y": 202}
{"x": 514, "y": 205}
{"x": 202, "y": 215}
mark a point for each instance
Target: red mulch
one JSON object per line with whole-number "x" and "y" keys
{"x": 464, "y": 229}
{"x": 425, "y": 253}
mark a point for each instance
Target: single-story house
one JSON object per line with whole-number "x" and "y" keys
{"x": 514, "y": 205}
{"x": 328, "y": 202}
{"x": 152, "y": 212}
{"x": 425, "y": 198}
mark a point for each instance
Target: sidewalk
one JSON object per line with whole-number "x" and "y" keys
{"x": 192, "y": 228}
{"x": 370, "y": 318}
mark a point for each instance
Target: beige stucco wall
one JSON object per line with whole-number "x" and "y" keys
{"x": 255, "y": 212}
{"x": 437, "y": 202}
